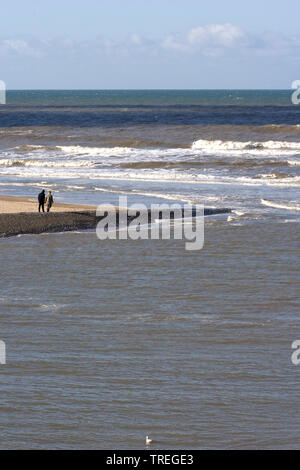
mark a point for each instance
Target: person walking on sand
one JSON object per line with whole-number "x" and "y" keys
{"x": 49, "y": 201}
{"x": 41, "y": 199}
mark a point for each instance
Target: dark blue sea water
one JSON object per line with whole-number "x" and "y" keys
{"x": 224, "y": 147}
{"x": 146, "y": 107}
{"x": 150, "y": 97}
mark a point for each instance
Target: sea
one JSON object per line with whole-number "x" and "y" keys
{"x": 108, "y": 341}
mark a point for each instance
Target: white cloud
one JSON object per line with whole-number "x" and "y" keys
{"x": 208, "y": 39}
{"x": 219, "y": 35}
{"x": 174, "y": 43}
{"x": 211, "y": 40}
{"x": 18, "y": 46}
{"x": 136, "y": 39}
{"x": 216, "y": 39}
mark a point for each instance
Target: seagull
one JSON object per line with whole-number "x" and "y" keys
{"x": 148, "y": 441}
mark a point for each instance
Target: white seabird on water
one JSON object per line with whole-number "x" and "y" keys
{"x": 148, "y": 441}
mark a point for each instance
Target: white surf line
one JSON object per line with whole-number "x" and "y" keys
{"x": 265, "y": 202}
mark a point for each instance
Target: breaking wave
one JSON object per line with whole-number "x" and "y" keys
{"x": 221, "y": 145}
{"x": 290, "y": 207}
{"x": 44, "y": 164}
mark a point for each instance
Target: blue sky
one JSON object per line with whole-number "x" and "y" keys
{"x": 98, "y": 44}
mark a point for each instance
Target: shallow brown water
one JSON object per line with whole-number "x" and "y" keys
{"x": 110, "y": 341}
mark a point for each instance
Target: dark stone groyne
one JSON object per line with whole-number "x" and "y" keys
{"x": 34, "y": 223}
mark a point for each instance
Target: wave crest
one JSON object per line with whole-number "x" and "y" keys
{"x": 217, "y": 145}
{"x": 45, "y": 164}
{"x": 290, "y": 207}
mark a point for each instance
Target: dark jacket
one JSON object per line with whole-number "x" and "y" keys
{"x": 42, "y": 197}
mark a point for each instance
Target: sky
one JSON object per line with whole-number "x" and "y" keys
{"x": 149, "y": 44}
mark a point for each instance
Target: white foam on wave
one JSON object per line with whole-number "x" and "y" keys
{"x": 291, "y": 207}
{"x": 96, "y": 151}
{"x": 199, "y": 147}
{"x": 239, "y": 213}
{"x": 146, "y": 175}
{"x": 291, "y": 221}
{"x": 200, "y": 152}
{"x": 223, "y": 145}
{"x": 28, "y": 155}
{"x": 32, "y": 147}
{"x": 6, "y": 162}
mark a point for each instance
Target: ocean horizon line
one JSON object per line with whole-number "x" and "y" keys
{"x": 148, "y": 89}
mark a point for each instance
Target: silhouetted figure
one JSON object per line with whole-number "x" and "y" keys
{"x": 49, "y": 201}
{"x": 41, "y": 199}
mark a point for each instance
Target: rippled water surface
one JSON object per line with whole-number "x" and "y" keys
{"x": 110, "y": 341}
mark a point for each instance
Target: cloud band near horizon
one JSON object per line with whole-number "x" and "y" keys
{"x": 208, "y": 40}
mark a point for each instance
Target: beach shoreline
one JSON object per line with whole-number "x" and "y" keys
{"x": 15, "y": 205}
{"x": 19, "y": 216}
{"x": 189, "y": 330}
